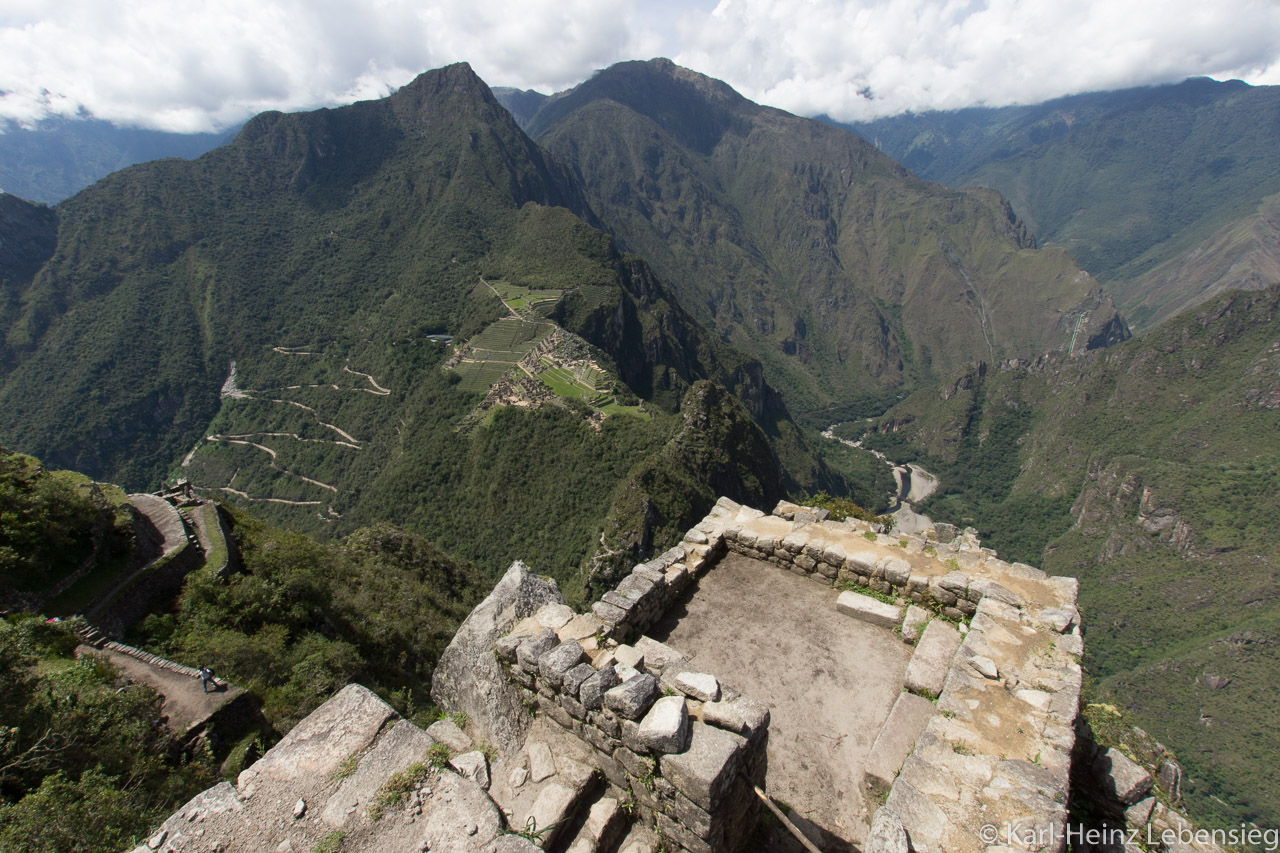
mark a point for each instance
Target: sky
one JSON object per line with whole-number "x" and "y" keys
{"x": 198, "y": 65}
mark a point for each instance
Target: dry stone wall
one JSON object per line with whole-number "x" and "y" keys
{"x": 980, "y": 742}
{"x": 688, "y": 748}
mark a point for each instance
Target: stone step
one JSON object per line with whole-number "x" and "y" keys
{"x": 869, "y": 610}
{"x": 639, "y": 839}
{"x": 927, "y": 670}
{"x": 560, "y": 806}
{"x": 604, "y": 824}
{"x": 894, "y": 742}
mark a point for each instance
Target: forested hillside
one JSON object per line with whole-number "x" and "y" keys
{"x": 1151, "y": 472}
{"x": 805, "y": 246}
{"x": 309, "y": 321}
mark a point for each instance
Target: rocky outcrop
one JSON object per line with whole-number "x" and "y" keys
{"x": 468, "y": 679}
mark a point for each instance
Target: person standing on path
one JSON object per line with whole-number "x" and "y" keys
{"x": 206, "y": 678}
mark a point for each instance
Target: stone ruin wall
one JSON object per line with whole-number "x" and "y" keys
{"x": 995, "y": 695}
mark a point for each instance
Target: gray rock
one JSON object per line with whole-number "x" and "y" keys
{"x": 608, "y": 613}
{"x": 395, "y": 751}
{"x": 448, "y": 733}
{"x": 629, "y": 655}
{"x": 519, "y": 776}
{"x": 1170, "y": 778}
{"x": 550, "y": 812}
{"x": 572, "y": 681}
{"x": 924, "y": 820}
{"x": 542, "y": 763}
{"x": 591, "y": 694}
{"x": 704, "y": 772}
{"x": 985, "y": 666}
{"x": 913, "y": 623}
{"x": 468, "y": 678}
{"x": 534, "y": 647}
{"x": 1137, "y": 815}
{"x": 699, "y": 685}
{"x": 474, "y": 766}
{"x": 665, "y": 728}
{"x": 553, "y": 664}
{"x": 343, "y": 726}
{"x": 897, "y": 571}
{"x": 632, "y": 698}
{"x": 1121, "y": 778}
{"x": 930, "y": 662}
{"x": 887, "y": 834}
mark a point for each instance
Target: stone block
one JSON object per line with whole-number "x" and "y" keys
{"x": 608, "y": 613}
{"x": 551, "y": 708}
{"x": 894, "y": 742}
{"x": 930, "y": 662}
{"x": 988, "y": 588}
{"x": 554, "y": 616}
{"x": 913, "y": 623}
{"x": 572, "y": 681}
{"x": 869, "y": 610}
{"x": 572, "y": 706}
{"x": 677, "y": 833}
{"x": 542, "y": 764}
{"x": 629, "y": 656}
{"x": 699, "y": 685}
{"x": 637, "y": 765}
{"x": 632, "y": 698}
{"x": 804, "y": 561}
{"x": 887, "y": 834}
{"x": 554, "y": 663}
{"x": 794, "y": 542}
{"x": 624, "y": 600}
{"x": 595, "y": 686}
{"x": 665, "y": 728}
{"x": 895, "y": 571}
{"x": 551, "y": 811}
{"x": 506, "y": 647}
{"x": 704, "y": 771}
{"x": 448, "y": 733}
{"x": 534, "y": 647}
{"x": 941, "y": 595}
{"x": 834, "y": 554}
{"x": 1121, "y": 778}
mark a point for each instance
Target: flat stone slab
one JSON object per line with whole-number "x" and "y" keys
{"x": 700, "y": 685}
{"x": 474, "y": 766}
{"x": 869, "y": 610}
{"x": 656, "y": 655}
{"x": 315, "y": 747}
{"x": 896, "y": 739}
{"x": 927, "y": 670}
{"x": 394, "y": 752}
{"x": 542, "y": 763}
{"x": 550, "y": 812}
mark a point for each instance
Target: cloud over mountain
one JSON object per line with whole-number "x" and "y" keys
{"x": 190, "y": 67}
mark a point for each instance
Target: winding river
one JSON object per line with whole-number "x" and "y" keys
{"x": 914, "y": 485}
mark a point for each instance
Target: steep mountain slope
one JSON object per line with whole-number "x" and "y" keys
{"x": 1125, "y": 180}
{"x": 274, "y": 316}
{"x": 58, "y": 157}
{"x": 803, "y": 244}
{"x": 1151, "y": 470}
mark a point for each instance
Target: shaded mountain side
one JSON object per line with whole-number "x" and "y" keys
{"x": 804, "y": 245}
{"x": 271, "y": 322}
{"x": 1243, "y": 254}
{"x": 1150, "y": 471}
{"x": 28, "y": 234}
{"x": 58, "y": 157}
{"x": 523, "y": 104}
{"x": 1127, "y": 181}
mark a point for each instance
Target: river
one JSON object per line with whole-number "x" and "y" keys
{"x": 914, "y": 485}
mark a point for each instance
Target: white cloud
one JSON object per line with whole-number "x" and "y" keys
{"x": 817, "y": 56}
{"x": 200, "y": 64}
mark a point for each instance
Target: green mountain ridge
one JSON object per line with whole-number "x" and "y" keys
{"x": 320, "y": 253}
{"x": 802, "y": 244}
{"x": 1126, "y": 181}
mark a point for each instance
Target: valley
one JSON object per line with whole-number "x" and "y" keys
{"x": 409, "y": 341}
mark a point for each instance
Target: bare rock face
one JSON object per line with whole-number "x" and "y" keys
{"x": 469, "y": 679}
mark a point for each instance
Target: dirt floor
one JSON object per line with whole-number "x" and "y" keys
{"x": 828, "y": 679}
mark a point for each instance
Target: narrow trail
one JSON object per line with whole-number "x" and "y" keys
{"x": 1071, "y": 347}
{"x": 292, "y": 435}
{"x": 377, "y": 389}
{"x": 276, "y": 467}
{"x": 984, "y": 316}
{"x": 292, "y": 351}
{"x": 348, "y": 436}
{"x": 500, "y": 299}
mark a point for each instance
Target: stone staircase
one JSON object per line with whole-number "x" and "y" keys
{"x": 551, "y": 791}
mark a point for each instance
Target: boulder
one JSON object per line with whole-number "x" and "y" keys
{"x": 633, "y": 697}
{"x": 468, "y": 678}
{"x": 665, "y": 728}
{"x": 1121, "y": 778}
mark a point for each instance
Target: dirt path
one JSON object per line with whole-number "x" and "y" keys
{"x": 184, "y": 702}
{"x": 829, "y": 680}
